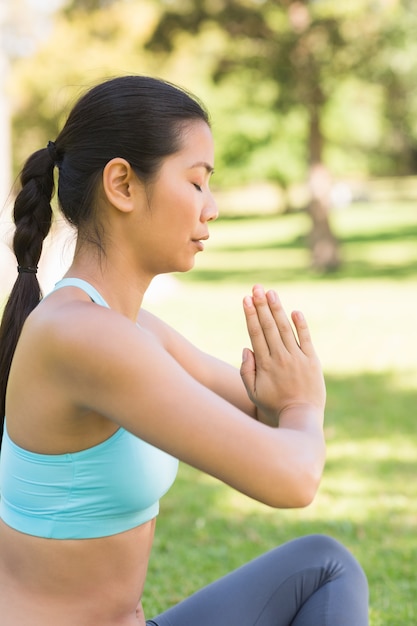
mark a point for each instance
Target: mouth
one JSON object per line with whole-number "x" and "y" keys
{"x": 199, "y": 242}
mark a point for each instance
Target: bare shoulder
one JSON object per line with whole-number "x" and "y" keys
{"x": 77, "y": 343}
{"x": 78, "y": 331}
{"x": 62, "y": 323}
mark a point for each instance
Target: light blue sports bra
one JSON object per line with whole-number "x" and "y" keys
{"x": 104, "y": 490}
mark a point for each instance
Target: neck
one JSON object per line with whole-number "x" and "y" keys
{"x": 121, "y": 287}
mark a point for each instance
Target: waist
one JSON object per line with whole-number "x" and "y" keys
{"x": 93, "y": 581}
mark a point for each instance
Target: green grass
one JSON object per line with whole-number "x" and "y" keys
{"x": 363, "y": 321}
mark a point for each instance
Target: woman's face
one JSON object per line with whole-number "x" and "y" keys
{"x": 174, "y": 224}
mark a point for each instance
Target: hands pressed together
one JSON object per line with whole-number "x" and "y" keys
{"x": 282, "y": 373}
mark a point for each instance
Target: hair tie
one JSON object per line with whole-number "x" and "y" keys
{"x": 27, "y": 270}
{"x": 51, "y": 147}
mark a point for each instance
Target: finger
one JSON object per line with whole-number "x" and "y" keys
{"x": 254, "y": 326}
{"x": 281, "y": 322}
{"x": 303, "y": 333}
{"x": 266, "y": 318}
{"x": 248, "y": 371}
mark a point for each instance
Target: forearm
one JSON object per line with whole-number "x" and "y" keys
{"x": 217, "y": 375}
{"x": 283, "y": 466}
{"x": 225, "y": 381}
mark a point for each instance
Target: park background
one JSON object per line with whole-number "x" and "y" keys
{"x": 314, "y": 112}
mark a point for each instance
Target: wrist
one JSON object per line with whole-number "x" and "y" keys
{"x": 269, "y": 418}
{"x": 301, "y": 417}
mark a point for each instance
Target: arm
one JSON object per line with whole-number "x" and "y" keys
{"x": 155, "y": 398}
{"x": 222, "y": 378}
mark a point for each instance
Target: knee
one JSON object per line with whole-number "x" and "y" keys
{"x": 335, "y": 556}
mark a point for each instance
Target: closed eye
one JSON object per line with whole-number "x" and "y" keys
{"x": 197, "y": 187}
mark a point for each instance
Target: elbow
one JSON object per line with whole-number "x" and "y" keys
{"x": 305, "y": 493}
{"x": 309, "y": 480}
{"x": 302, "y": 483}
{"x": 306, "y": 478}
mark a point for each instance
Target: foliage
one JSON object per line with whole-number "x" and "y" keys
{"x": 366, "y": 65}
{"x": 82, "y": 48}
{"x": 395, "y": 70}
{"x": 295, "y": 88}
{"x": 306, "y": 52}
{"x": 86, "y": 6}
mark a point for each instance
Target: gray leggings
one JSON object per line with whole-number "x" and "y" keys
{"x": 311, "y": 581}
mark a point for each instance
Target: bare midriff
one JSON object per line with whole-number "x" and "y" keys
{"x": 88, "y": 582}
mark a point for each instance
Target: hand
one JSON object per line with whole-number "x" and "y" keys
{"x": 282, "y": 371}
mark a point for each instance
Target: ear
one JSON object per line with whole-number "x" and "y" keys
{"x": 120, "y": 184}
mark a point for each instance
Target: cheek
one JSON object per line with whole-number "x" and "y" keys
{"x": 184, "y": 207}
{"x": 175, "y": 202}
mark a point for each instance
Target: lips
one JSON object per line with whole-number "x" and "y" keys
{"x": 199, "y": 242}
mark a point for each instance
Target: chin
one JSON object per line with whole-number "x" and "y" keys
{"x": 180, "y": 266}
{"x": 183, "y": 270}
{"x": 186, "y": 267}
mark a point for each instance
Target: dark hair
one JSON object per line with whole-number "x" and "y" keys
{"x": 138, "y": 118}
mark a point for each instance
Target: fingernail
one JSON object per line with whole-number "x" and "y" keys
{"x": 258, "y": 291}
{"x": 272, "y": 296}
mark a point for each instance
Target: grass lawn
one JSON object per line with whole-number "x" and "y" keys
{"x": 363, "y": 322}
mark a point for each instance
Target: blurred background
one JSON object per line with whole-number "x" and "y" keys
{"x": 313, "y": 102}
{"x": 314, "y": 115}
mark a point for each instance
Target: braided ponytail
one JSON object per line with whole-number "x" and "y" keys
{"x": 32, "y": 216}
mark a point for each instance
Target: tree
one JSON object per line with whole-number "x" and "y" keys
{"x": 23, "y": 25}
{"x": 394, "y": 68}
{"x": 84, "y": 46}
{"x": 282, "y": 69}
{"x": 86, "y": 5}
{"x": 306, "y": 48}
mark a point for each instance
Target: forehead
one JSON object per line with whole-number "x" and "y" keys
{"x": 197, "y": 144}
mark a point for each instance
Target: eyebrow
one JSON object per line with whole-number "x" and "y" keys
{"x": 206, "y": 166}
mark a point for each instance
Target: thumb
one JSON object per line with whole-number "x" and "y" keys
{"x": 248, "y": 371}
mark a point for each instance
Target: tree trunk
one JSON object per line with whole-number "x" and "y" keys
{"x": 324, "y": 246}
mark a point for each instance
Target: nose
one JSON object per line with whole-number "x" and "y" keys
{"x": 210, "y": 211}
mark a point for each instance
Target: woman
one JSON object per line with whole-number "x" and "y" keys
{"x": 102, "y": 397}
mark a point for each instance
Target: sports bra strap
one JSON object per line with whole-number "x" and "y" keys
{"x": 85, "y": 286}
